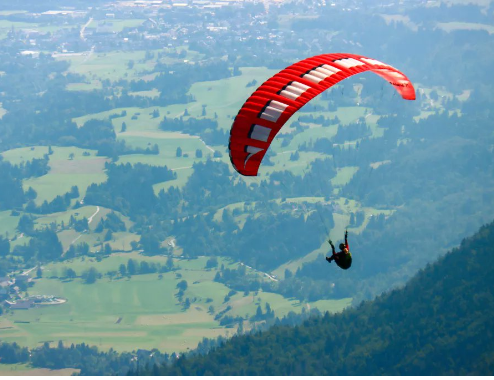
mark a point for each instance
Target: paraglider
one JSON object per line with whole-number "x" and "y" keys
{"x": 343, "y": 258}
{"x": 276, "y": 100}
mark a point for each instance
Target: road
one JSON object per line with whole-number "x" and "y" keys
{"x": 90, "y": 219}
{"x": 84, "y": 28}
{"x": 258, "y": 271}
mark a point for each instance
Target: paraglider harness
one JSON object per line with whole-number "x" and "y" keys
{"x": 342, "y": 259}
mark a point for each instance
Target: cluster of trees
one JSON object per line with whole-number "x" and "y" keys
{"x": 206, "y": 128}
{"x": 238, "y": 279}
{"x": 81, "y": 249}
{"x": 13, "y": 195}
{"x": 58, "y": 204}
{"x": 43, "y": 246}
{"x": 135, "y": 267}
{"x": 129, "y": 188}
{"x": 132, "y": 268}
{"x": 91, "y": 361}
{"x": 112, "y": 222}
{"x": 351, "y": 132}
{"x": 321, "y": 120}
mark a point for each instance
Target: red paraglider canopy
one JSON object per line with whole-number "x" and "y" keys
{"x": 277, "y": 99}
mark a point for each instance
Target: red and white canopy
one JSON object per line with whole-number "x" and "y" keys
{"x": 276, "y": 100}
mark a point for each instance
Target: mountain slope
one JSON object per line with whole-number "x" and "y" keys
{"x": 440, "y": 323}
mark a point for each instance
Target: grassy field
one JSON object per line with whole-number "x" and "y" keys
{"x": 183, "y": 174}
{"x": 8, "y": 223}
{"x": 112, "y": 66}
{"x": 452, "y": 26}
{"x": 140, "y": 312}
{"x": 90, "y": 86}
{"x": 68, "y": 167}
{"x": 26, "y": 370}
{"x": 344, "y": 175}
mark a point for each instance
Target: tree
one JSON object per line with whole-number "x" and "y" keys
{"x": 39, "y": 272}
{"x": 131, "y": 267}
{"x": 90, "y": 276}
{"x": 108, "y": 236}
{"x": 178, "y": 152}
{"x": 288, "y": 274}
{"x": 169, "y": 262}
{"x": 122, "y": 269}
{"x": 68, "y": 273}
{"x": 4, "y": 246}
{"x": 182, "y": 285}
{"x": 124, "y": 127}
{"x": 111, "y": 274}
{"x": 212, "y": 263}
{"x": 71, "y": 252}
{"x": 198, "y": 153}
{"x": 26, "y": 224}
{"x": 107, "y": 249}
{"x": 258, "y": 313}
{"x": 294, "y": 156}
{"x": 31, "y": 193}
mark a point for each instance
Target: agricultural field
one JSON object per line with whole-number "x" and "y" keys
{"x": 27, "y": 370}
{"x": 112, "y": 65}
{"x": 69, "y": 166}
{"x": 140, "y": 310}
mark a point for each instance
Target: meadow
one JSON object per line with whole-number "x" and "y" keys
{"x": 27, "y": 370}
{"x": 141, "y": 311}
{"x": 69, "y": 166}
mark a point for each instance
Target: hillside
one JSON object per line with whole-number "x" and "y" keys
{"x": 440, "y": 323}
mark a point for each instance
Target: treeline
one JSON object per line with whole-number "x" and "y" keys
{"x": 13, "y": 195}
{"x": 437, "y": 324}
{"x": 206, "y": 128}
{"x": 58, "y": 204}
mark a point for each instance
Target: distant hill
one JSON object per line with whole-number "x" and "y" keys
{"x": 440, "y": 323}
